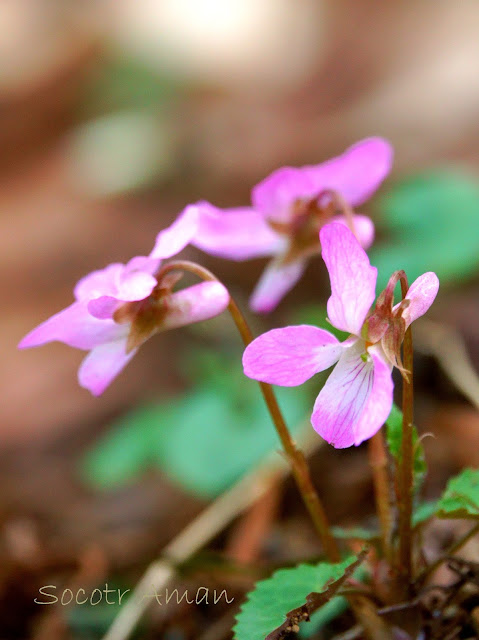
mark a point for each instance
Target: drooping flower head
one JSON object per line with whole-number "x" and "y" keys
{"x": 357, "y": 397}
{"x": 288, "y": 209}
{"x": 118, "y": 308}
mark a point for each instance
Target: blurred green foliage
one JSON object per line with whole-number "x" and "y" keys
{"x": 124, "y": 82}
{"x": 461, "y": 497}
{"x": 394, "y": 440}
{"x": 205, "y": 439}
{"x": 431, "y": 221}
{"x": 128, "y": 140}
{"x": 424, "y": 512}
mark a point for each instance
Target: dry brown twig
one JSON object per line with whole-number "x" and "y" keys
{"x": 202, "y": 529}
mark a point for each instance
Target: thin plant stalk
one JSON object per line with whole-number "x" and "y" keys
{"x": 445, "y": 556}
{"x": 405, "y": 475}
{"x": 299, "y": 466}
{"x": 378, "y": 461}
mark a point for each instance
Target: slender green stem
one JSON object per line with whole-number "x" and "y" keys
{"x": 378, "y": 461}
{"x": 296, "y": 458}
{"x": 405, "y": 479}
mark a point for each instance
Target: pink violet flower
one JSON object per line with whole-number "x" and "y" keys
{"x": 288, "y": 209}
{"x": 357, "y": 397}
{"x": 118, "y": 308}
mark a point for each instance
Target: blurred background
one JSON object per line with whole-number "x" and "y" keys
{"x": 114, "y": 116}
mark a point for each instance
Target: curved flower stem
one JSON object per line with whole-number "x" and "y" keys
{"x": 378, "y": 462}
{"x": 296, "y": 458}
{"x": 405, "y": 479}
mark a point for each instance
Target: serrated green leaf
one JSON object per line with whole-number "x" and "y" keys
{"x": 287, "y": 589}
{"x": 331, "y": 610}
{"x": 429, "y": 218}
{"x": 461, "y": 497}
{"x": 394, "y": 439}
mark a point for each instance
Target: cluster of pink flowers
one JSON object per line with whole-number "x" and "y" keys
{"x": 296, "y": 213}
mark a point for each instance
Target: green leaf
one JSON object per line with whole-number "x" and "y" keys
{"x": 331, "y": 610}
{"x": 125, "y": 451}
{"x": 423, "y": 512}
{"x": 429, "y": 218}
{"x": 287, "y": 590}
{"x": 217, "y": 437}
{"x": 461, "y": 497}
{"x": 205, "y": 439}
{"x": 394, "y": 439}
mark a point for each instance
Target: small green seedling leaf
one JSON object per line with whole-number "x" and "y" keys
{"x": 277, "y": 605}
{"x": 461, "y": 497}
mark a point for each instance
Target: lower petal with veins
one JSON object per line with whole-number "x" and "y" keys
{"x": 378, "y": 406}
{"x": 340, "y": 404}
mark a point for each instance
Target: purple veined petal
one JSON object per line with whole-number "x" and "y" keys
{"x": 275, "y": 282}
{"x": 421, "y": 294}
{"x": 378, "y": 406}
{"x": 173, "y": 239}
{"x": 357, "y": 173}
{"x": 340, "y": 403}
{"x": 102, "y": 282}
{"x": 274, "y": 196}
{"x": 238, "y": 234}
{"x": 103, "y": 364}
{"x": 363, "y": 228}
{"x": 75, "y": 327}
{"x": 290, "y": 356}
{"x": 353, "y": 279}
{"x": 194, "y": 304}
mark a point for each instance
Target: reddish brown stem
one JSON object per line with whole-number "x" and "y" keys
{"x": 298, "y": 463}
{"x": 378, "y": 461}
{"x": 405, "y": 475}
